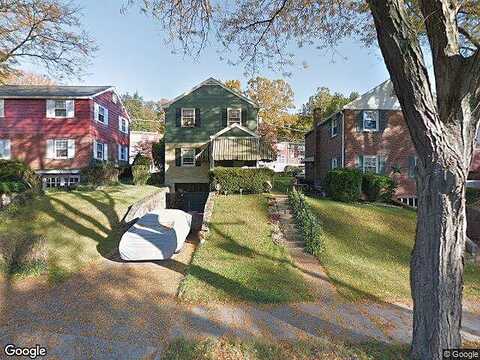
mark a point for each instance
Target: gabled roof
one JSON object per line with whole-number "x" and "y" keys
{"x": 51, "y": 91}
{"x": 234, "y": 126}
{"x": 381, "y": 97}
{"x": 209, "y": 82}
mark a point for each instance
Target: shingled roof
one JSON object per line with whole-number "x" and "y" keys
{"x": 41, "y": 91}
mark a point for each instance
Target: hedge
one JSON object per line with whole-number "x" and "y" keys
{"x": 344, "y": 184}
{"x": 9, "y": 187}
{"x": 233, "y": 180}
{"x": 378, "y": 187}
{"x": 307, "y": 223}
{"x": 100, "y": 173}
{"x": 18, "y": 171}
{"x": 292, "y": 170}
{"x": 142, "y": 160}
{"x": 141, "y": 174}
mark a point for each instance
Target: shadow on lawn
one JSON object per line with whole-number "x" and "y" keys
{"x": 82, "y": 223}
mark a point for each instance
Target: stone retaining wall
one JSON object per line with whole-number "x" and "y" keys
{"x": 157, "y": 200}
{"x": 207, "y": 217}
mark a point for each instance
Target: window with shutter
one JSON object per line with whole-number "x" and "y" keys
{"x": 234, "y": 116}
{"x": 2, "y": 108}
{"x": 101, "y": 114}
{"x": 188, "y": 157}
{"x": 123, "y": 124}
{"x": 370, "y": 164}
{"x": 99, "y": 150}
{"x": 188, "y": 117}
{"x": 122, "y": 152}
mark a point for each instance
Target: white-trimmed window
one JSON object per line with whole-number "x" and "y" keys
{"x": 188, "y": 157}
{"x": 61, "y": 181}
{"x": 234, "y": 116}
{"x": 2, "y": 108}
{"x": 334, "y": 163}
{"x": 100, "y": 150}
{"x": 334, "y": 127}
{"x": 370, "y": 164}
{"x": 123, "y": 124}
{"x": 188, "y": 117}
{"x": 122, "y": 153}
{"x": 60, "y": 108}
{"x": 5, "y": 151}
{"x": 60, "y": 149}
{"x": 101, "y": 114}
{"x": 370, "y": 120}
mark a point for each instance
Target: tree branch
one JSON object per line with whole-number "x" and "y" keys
{"x": 473, "y": 40}
{"x": 404, "y": 59}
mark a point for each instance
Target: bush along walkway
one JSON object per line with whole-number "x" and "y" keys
{"x": 294, "y": 241}
{"x": 382, "y": 321}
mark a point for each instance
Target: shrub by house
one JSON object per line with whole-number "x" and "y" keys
{"x": 234, "y": 180}
{"x": 344, "y": 184}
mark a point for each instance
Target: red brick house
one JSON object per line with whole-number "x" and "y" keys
{"x": 58, "y": 130}
{"x": 369, "y": 134}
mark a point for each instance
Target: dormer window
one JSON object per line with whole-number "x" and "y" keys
{"x": 234, "y": 116}
{"x": 370, "y": 120}
{"x": 188, "y": 117}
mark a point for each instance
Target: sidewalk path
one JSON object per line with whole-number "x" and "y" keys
{"x": 117, "y": 310}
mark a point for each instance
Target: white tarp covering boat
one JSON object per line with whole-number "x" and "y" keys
{"x": 156, "y": 236}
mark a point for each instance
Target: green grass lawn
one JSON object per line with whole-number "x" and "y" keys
{"x": 78, "y": 226}
{"x": 239, "y": 261}
{"x": 368, "y": 250}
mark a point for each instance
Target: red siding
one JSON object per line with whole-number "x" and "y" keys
{"x": 110, "y": 133}
{"x": 26, "y": 125}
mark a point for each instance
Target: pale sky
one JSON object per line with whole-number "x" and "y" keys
{"x": 134, "y": 57}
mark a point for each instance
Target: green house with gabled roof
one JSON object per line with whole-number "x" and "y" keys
{"x": 209, "y": 126}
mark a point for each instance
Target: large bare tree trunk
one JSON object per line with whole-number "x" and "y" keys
{"x": 437, "y": 260}
{"x": 443, "y": 130}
